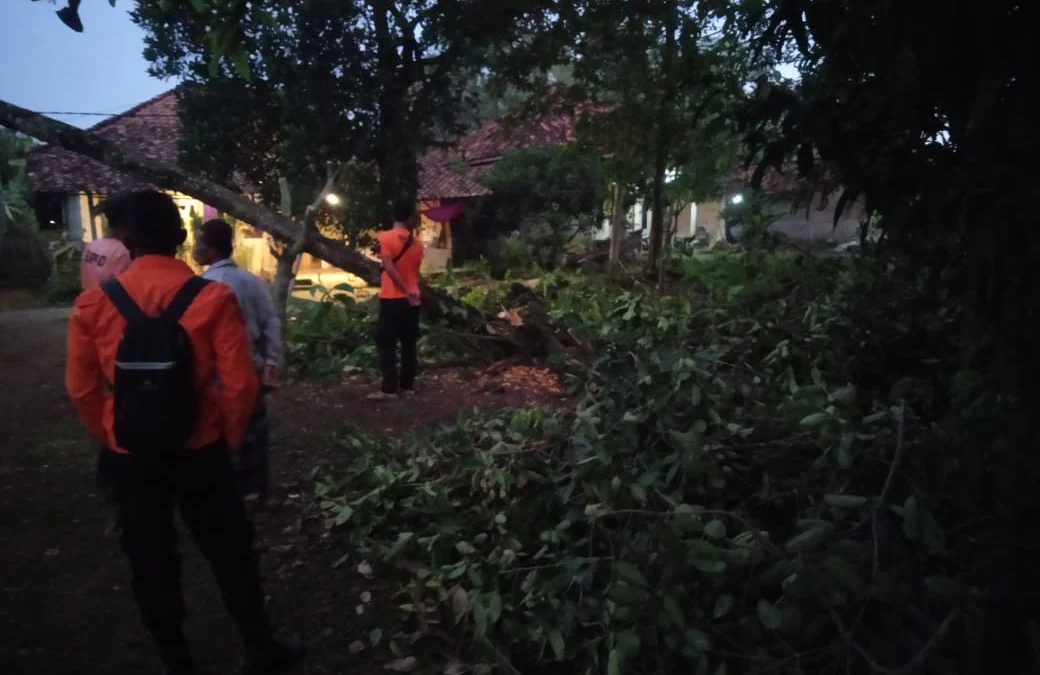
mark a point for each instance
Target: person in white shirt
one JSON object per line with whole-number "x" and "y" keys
{"x": 213, "y": 248}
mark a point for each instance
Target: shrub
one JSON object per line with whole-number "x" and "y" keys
{"x": 719, "y": 499}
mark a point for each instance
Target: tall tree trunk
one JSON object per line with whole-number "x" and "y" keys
{"x": 283, "y": 273}
{"x": 664, "y": 117}
{"x": 617, "y": 228}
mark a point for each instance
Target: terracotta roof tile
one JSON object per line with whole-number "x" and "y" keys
{"x": 439, "y": 180}
{"x": 476, "y": 154}
{"x": 152, "y": 129}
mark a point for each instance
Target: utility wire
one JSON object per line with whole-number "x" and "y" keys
{"x": 98, "y": 114}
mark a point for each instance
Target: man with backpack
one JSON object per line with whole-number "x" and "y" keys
{"x": 401, "y": 254}
{"x": 214, "y": 244}
{"x": 161, "y": 372}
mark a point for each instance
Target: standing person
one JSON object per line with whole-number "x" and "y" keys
{"x": 104, "y": 259}
{"x": 107, "y": 257}
{"x": 401, "y": 253}
{"x": 213, "y": 247}
{"x": 160, "y": 371}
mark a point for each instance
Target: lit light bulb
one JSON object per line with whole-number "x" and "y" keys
{"x": 332, "y": 199}
{"x": 737, "y": 200}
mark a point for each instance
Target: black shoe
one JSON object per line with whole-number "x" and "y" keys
{"x": 281, "y": 656}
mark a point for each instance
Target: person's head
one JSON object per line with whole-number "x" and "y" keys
{"x": 213, "y": 242}
{"x": 404, "y": 213}
{"x": 152, "y": 224}
{"x": 115, "y": 209}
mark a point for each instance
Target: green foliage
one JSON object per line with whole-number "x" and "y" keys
{"x": 328, "y": 334}
{"x": 717, "y": 499}
{"x": 334, "y": 332}
{"x": 548, "y": 195}
{"x": 64, "y": 283}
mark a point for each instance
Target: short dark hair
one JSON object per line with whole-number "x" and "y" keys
{"x": 403, "y": 210}
{"x": 114, "y": 208}
{"x": 153, "y": 222}
{"x": 217, "y": 235}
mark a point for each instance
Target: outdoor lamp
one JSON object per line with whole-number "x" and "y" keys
{"x": 737, "y": 200}
{"x": 332, "y": 199}
{"x": 70, "y": 16}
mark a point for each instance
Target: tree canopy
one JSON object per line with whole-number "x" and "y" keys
{"x": 376, "y": 81}
{"x": 927, "y": 110}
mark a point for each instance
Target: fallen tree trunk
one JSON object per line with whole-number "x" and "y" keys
{"x": 43, "y": 128}
{"x": 173, "y": 178}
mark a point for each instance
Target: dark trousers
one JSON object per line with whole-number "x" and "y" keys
{"x": 254, "y": 467}
{"x": 398, "y": 324}
{"x": 201, "y": 484}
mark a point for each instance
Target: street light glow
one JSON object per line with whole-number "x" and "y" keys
{"x": 736, "y": 200}
{"x": 332, "y": 199}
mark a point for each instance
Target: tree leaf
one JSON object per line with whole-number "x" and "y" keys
{"x": 846, "y": 501}
{"x": 459, "y": 603}
{"x": 710, "y": 566}
{"x": 809, "y": 539}
{"x": 628, "y": 643}
{"x": 630, "y": 596}
{"x": 843, "y": 572}
{"x": 814, "y": 420}
{"x": 723, "y": 605}
{"x": 375, "y": 636}
{"x": 628, "y": 573}
{"x": 770, "y": 616}
{"x": 614, "y": 662}
{"x": 845, "y": 457}
{"x": 494, "y": 608}
{"x": 672, "y": 610}
{"x": 716, "y": 529}
{"x": 344, "y": 515}
{"x": 402, "y": 540}
{"x": 405, "y": 665}
{"x": 845, "y": 395}
{"x": 558, "y": 646}
{"x": 480, "y": 616}
{"x": 698, "y": 640}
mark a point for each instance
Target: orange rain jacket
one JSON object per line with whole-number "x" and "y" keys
{"x": 223, "y": 362}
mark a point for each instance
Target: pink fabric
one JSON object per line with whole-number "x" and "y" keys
{"x": 445, "y": 213}
{"x": 102, "y": 260}
{"x": 209, "y": 212}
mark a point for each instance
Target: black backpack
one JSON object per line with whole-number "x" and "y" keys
{"x": 156, "y": 400}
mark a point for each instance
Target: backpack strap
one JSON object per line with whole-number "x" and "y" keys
{"x": 185, "y": 296}
{"x": 116, "y": 292}
{"x": 404, "y": 249}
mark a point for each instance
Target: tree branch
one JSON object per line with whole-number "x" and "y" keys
{"x": 174, "y": 178}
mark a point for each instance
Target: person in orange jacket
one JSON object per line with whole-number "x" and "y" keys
{"x": 161, "y": 372}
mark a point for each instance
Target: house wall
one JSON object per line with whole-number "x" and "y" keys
{"x": 77, "y": 213}
{"x": 805, "y": 222}
{"x": 815, "y": 222}
{"x": 436, "y": 238}
{"x": 684, "y": 225}
{"x": 70, "y": 210}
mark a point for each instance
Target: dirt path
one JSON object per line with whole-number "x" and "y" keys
{"x": 64, "y": 605}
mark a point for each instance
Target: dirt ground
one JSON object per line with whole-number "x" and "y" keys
{"x": 64, "y": 603}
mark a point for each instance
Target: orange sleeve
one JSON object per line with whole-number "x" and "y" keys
{"x": 84, "y": 378}
{"x": 386, "y": 250}
{"x": 239, "y": 384}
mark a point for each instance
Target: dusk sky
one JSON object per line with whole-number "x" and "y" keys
{"x": 46, "y": 67}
